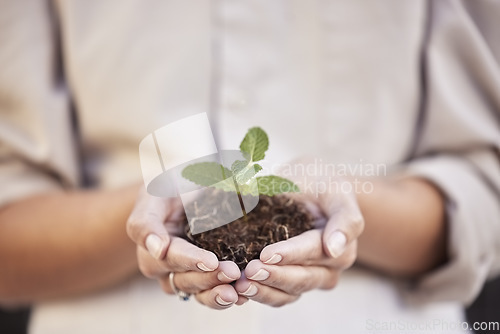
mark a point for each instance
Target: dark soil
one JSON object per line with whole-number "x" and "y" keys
{"x": 274, "y": 219}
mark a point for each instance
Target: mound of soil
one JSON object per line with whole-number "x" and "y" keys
{"x": 274, "y": 219}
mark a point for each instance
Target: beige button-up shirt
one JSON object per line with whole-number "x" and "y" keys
{"x": 411, "y": 84}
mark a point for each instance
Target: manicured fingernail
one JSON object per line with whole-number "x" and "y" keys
{"x": 251, "y": 291}
{"x": 154, "y": 245}
{"x": 274, "y": 259}
{"x": 221, "y": 301}
{"x": 203, "y": 267}
{"x": 223, "y": 277}
{"x": 336, "y": 243}
{"x": 260, "y": 275}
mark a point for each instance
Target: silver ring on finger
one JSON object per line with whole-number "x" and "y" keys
{"x": 184, "y": 296}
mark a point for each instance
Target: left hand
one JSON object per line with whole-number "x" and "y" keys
{"x": 313, "y": 260}
{"x": 197, "y": 271}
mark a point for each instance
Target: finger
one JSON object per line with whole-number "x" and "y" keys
{"x": 183, "y": 256}
{"x": 148, "y": 265}
{"x": 221, "y": 297}
{"x": 195, "y": 282}
{"x": 241, "y": 300}
{"x": 304, "y": 249}
{"x": 292, "y": 279}
{"x": 262, "y": 293}
{"x": 345, "y": 224}
{"x": 145, "y": 224}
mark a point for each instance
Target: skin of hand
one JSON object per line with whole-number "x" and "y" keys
{"x": 312, "y": 260}
{"x": 404, "y": 236}
{"x": 154, "y": 226}
{"x": 412, "y": 209}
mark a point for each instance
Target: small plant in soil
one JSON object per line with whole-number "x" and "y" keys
{"x": 276, "y": 217}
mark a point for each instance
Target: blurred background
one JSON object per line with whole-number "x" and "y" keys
{"x": 244, "y": 56}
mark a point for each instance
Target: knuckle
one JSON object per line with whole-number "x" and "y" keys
{"x": 204, "y": 299}
{"x": 146, "y": 270}
{"x": 137, "y": 224}
{"x": 329, "y": 285}
{"x": 263, "y": 298}
{"x": 358, "y": 223}
{"x": 299, "y": 287}
{"x": 278, "y": 304}
{"x": 186, "y": 285}
{"x": 152, "y": 216}
{"x": 303, "y": 285}
{"x": 349, "y": 258}
{"x": 131, "y": 226}
{"x": 275, "y": 279}
{"x": 134, "y": 227}
{"x": 172, "y": 262}
{"x": 330, "y": 282}
{"x": 165, "y": 286}
{"x": 283, "y": 302}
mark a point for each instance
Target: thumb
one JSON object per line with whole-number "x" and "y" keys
{"x": 146, "y": 224}
{"x": 345, "y": 223}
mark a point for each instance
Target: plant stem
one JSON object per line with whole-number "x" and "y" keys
{"x": 242, "y": 206}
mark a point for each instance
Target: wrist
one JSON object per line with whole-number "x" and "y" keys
{"x": 405, "y": 231}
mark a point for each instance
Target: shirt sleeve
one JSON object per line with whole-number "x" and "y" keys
{"x": 459, "y": 143}
{"x": 37, "y": 146}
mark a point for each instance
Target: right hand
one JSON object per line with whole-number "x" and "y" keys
{"x": 154, "y": 225}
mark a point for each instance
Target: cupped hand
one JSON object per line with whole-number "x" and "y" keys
{"x": 154, "y": 225}
{"x": 314, "y": 259}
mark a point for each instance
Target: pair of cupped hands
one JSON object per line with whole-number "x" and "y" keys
{"x": 313, "y": 260}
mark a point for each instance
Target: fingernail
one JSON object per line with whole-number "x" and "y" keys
{"x": 223, "y": 277}
{"x": 274, "y": 259}
{"x": 203, "y": 267}
{"x": 260, "y": 275}
{"x": 251, "y": 291}
{"x": 154, "y": 245}
{"x": 221, "y": 301}
{"x": 336, "y": 243}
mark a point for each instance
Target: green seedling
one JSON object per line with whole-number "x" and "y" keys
{"x": 241, "y": 174}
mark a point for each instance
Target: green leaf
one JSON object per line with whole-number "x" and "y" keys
{"x": 255, "y": 144}
{"x": 243, "y": 171}
{"x": 209, "y": 174}
{"x": 238, "y": 166}
{"x": 248, "y": 189}
{"x": 272, "y": 185}
{"x": 257, "y": 168}
{"x": 253, "y": 148}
